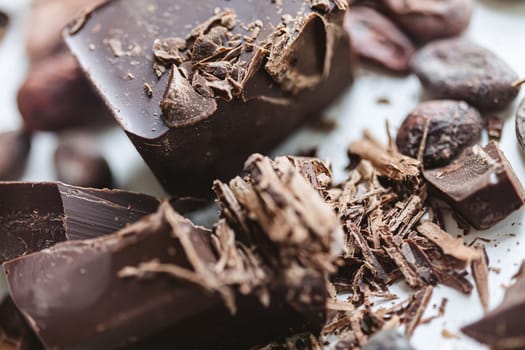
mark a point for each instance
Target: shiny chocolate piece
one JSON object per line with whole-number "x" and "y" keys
{"x": 151, "y": 284}
{"x": 245, "y": 74}
{"x": 481, "y": 186}
{"x": 502, "y": 328}
{"x": 15, "y": 333}
{"x": 34, "y": 216}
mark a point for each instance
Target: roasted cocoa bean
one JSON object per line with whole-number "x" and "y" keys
{"x": 78, "y": 162}
{"x": 376, "y": 38}
{"x": 14, "y": 151}
{"x": 450, "y": 127}
{"x": 460, "y": 70}
{"x": 57, "y": 95}
{"x": 426, "y": 20}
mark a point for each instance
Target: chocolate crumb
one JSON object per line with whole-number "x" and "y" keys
{"x": 148, "y": 90}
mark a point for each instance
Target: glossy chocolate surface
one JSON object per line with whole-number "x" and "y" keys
{"x": 114, "y": 46}
{"x": 145, "y": 312}
{"x": 34, "y": 216}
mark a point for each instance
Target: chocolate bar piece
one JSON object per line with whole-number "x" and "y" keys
{"x": 481, "y": 186}
{"x": 502, "y": 328}
{"x": 153, "y": 283}
{"x": 15, "y": 333}
{"x": 198, "y": 85}
{"x": 34, "y": 216}
{"x": 261, "y": 275}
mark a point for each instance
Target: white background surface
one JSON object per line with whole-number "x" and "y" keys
{"x": 498, "y": 25}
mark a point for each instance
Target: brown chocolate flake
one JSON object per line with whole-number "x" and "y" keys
{"x": 480, "y": 273}
{"x": 453, "y": 247}
{"x": 416, "y": 308}
{"x": 387, "y": 162}
{"x": 182, "y": 105}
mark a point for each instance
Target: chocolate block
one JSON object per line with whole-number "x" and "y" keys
{"x": 480, "y": 185}
{"x": 244, "y": 77}
{"x": 34, "y": 216}
{"x": 151, "y": 284}
{"x": 502, "y": 328}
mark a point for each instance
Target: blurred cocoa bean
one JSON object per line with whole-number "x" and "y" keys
{"x": 57, "y": 95}
{"x": 14, "y": 151}
{"x": 78, "y": 162}
{"x": 426, "y": 20}
{"x": 376, "y": 38}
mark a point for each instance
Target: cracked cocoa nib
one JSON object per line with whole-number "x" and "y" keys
{"x": 225, "y": 79}
{"x": 480, "y": 185}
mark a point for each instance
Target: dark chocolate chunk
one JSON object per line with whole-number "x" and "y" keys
{"x": 388, "y": 340}
{"x": 502, "y": 328}
{"x": 376, "y": 38}
{"x": 78, "y": 162}
{"x": 160, "y": 281}
{"x": 34, "y": 216}
{"x": 14, "y": 151}
{"x": 480, "y": 185}
{"x": 520, "y": 125}
{"x": 461, "y": 70}
{"x": 56, "y": 95}
{"x": 4, "y": 23}
{"x": 15, "y": 333}
{"x": 427, "y": 20}
{"x": 448, "y": 127}
{"x": 268, "y": 66}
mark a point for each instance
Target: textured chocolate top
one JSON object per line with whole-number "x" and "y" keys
{"x": 256, "y": 40}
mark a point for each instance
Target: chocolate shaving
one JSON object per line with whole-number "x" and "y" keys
{"x": 416, "y": 308}
{"x": 480, "y": 273}
{"x": 390, "y": 164}
{"x": 450, "y": 246}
